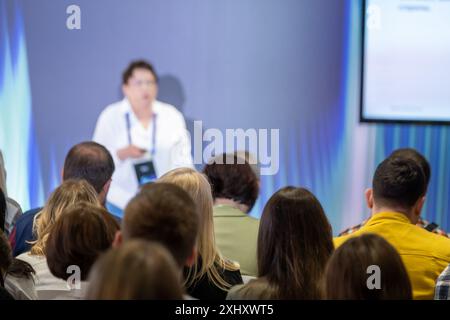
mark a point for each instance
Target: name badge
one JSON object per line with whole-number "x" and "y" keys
{"x": 145, "y": 172}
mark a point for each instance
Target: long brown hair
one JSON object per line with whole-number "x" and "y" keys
{"x": 347, "y": 271}
{"x": 294, "y": 244}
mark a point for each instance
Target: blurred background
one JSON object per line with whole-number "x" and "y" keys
{"x": 292, "y": 65}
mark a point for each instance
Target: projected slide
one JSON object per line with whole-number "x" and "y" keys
{"x": 406, "y": 62}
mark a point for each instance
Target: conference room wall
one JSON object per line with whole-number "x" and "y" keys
{"x": 290, "y": 65}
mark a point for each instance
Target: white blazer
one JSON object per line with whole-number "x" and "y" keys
{"x": 172, "y": 144}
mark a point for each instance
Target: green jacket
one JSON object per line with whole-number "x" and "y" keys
{"x": 236, "y": 237}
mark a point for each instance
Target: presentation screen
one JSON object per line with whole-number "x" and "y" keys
{"x": 406, "y": 61}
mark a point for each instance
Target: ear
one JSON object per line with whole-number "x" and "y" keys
{"x": 104, "y": 191}
{"x": 419, "y": 205}
{"x": 369, "y": 197}
{"x": 118, "y": 239}
{"x": 192, "y": 257}
{"x": 62, "y": 174}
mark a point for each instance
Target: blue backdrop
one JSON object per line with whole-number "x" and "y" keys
{"x": 292, "y": 65}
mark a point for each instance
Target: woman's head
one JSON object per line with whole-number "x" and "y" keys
{"x": 69, "y": 193}
{"x": 77, "y": 238}
{"x": 232, "y": 177}
{"x": 198, "y": 187}
{"x": 294, "y": 244}
{"x": 137, "y": 270}
{"x": 356, "y": 260}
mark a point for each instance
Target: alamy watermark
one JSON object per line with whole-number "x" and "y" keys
{"x": 374, "y": 280}
{"x": 263, "y": 146}
{"x": 74, "y": 280}
{"x": 73, "y": 21}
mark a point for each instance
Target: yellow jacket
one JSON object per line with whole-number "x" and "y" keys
{"x": 424, "y": 254}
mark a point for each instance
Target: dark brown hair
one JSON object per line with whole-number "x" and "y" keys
{"x": 347, "y": 271}
{"x": 294, "y": 244}
{"x": 164, "y": 213}
{"x": 137, "y": 270}
{"x": 77, "y": 238}
{"x": 236, "y": 180}
{"x": 89, "y": 161}
{"x": 416, "y": 156}
{"x": 138, "y": 64}
{"x": 398, "y": 182}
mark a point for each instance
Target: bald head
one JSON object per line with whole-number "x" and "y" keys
{"x": 89, "y": 161}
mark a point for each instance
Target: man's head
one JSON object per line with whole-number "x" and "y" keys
{"x": 163, "y": 213}
{"x": 399, "y": 184}
{"x": 409, "y": 153}
{"x": 92, "y": 162}
{"x": 140, "y": 83}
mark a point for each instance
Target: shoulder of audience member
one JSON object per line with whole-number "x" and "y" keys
{"x": 338, "y": 241}
{"x": 27, "y": 216}
{"x": 255, "y": 289}
{"x": 439, "y": 245}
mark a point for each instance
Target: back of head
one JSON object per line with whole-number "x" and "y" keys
{"x": 166, "y": 214}
{"x": 358, "y": 259}
{"x": 232, "y": 179}
{"x": 294, "y": 244}
{"x": 77, "y": 238}
{"x": 89, "y": 161}
{"x": 198, "y": 187}
{"x": 398, "y": 183}
{"x": 137, "y": 270}
{"x": 70, "y": 192}
{"x": 409, "y": 153}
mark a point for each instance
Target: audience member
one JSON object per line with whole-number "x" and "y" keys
{"x": 10, "y": 210}
{"x": 294, "y": 245}
{"x": 69, "y": 193}
{"x": 235, "y": 189}
{"x": 396, "y": 200}
{"x": 211, "y": 275}
{"x": 137, "y": 270}
{"x": 77, "y": 238}
{"x": 16, "y": 276}
{"x": 367, "y": 268}
{"x": 409, "y": 153}
{"x": 87, "y": 160}
{"x": 163, "y": 213}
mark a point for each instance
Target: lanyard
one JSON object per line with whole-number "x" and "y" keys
{"x": 153, "y": 148}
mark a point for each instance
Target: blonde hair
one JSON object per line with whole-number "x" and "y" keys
{"x": 69, "y": 193}
{"x": 198, "y": 187}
